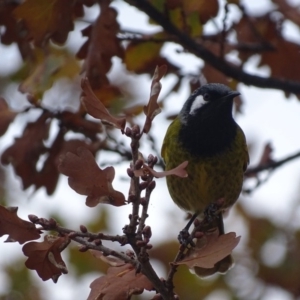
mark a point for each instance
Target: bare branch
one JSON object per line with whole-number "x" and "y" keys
{"x": 271, "y": 166}
{"x": 216, "y": 62}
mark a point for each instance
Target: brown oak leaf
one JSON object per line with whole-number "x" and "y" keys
{"x": 46, "y": 19}
{"x": 6, "y": 116}
{"x": 96, "y": 108}
{"x": 86, "y": 178}
{"x": 98, "y": 55}
{"x": 152, "y": 109}
{"x": 27, "y": 149}
{"x": 120, "y": 282}
{"x": 18, "y": 230}
{"x": 46, "y": 68}
{"x": 111, "y": 260}
{"x": 45, "y": 257}
{"x": 211, "y": 249}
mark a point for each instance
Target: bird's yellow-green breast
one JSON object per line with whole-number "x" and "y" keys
{"x": 215, "y": 148}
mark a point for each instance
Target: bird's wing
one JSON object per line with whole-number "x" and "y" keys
{"x": 246, "y": 157}
{"x": 170, "y": 139}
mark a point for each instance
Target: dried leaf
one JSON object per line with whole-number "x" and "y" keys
{"x": 96, "y": 108}
{"x": 86, "y": 178}
{"x": 112, "y": 261}
{"x": 289, "y": 11}
{"x": 213, "y": 248}
{"x": 46, "y": 19}
{"x": 45, "y": 257}
{"x": 6, "y": 116}
{"x": 152, "y": 109}
{"x": 77, "y": 123}
{"x": 178, "y": 171}
{"x": 18, "y": 230}
{"x": 11, "y": 32}
{"x": 142, "y": 57}
{"x": 120, "y": 283}
{"x": 47, "y": 68}
{"x": 27, "y": 149}
{"x": 98, "y": 54}
{"x": 205, "y": 10}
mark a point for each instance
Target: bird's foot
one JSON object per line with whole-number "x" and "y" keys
{"x": 212, "y": 211}
{"x": 185, "y": 238}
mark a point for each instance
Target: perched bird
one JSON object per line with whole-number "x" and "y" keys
{"x": 206, "y": 135}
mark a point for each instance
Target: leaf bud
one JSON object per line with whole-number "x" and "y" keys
{"x": 150, "y": 158}
{"x": 130, "y": 172}
{"x": 135, "y": 130}
{"x": 143, "y": 185}
{"x": 33, "y": 218}
{"x": 128, "y": 132}
{"x": 83, "y": 229}
{"x": 83, "y": 248}
{"x": 147, "y": 232}
{"x": 138, "y": 164}
{"x": 143, "y": 201}
{"x": 97, "y": 242}
{"x": 149, "y": 246}
{"x": 152, "y": 185}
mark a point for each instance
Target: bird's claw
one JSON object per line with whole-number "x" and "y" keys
{"x": 185, "y": 238}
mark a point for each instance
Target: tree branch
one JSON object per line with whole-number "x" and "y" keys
{"x": 272, "y": 165}
{"x": 215, "y": 61}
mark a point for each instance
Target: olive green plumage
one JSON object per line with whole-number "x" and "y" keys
{"x": 205, "y": 135}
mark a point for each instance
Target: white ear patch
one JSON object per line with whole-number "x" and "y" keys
{"x": 197, "y": 103}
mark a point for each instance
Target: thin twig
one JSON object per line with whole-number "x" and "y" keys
{"x": 221, "y": 65}
{"x": 223, "y": 33}
{"x": 272, "y": 165}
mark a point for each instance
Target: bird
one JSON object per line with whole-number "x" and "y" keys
{"x": 206, "y": 135}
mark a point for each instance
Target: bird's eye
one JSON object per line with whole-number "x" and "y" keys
{"x": 206, "y": 97}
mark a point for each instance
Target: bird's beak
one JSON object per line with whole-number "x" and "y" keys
{"x": 232, "y": 94}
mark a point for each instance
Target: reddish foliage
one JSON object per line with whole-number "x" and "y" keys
{"x": 121, "y": 282}
{"x": 102, "y": 45}
{"x": 46, "y": 19}
{"x": 45, "y": 257}
{"x": 26, "y": 150}
{"x": 18, "y": 230}
{"x": 6, "y": 116}
{"x": 86, "y": 178}
{"x": 96, "y": 108}
{"x": 210, "y": 249}
{"x": 152, "y": 109}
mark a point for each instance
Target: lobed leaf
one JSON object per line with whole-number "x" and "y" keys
{"x": 6, "y": 116}
{"x": 152, "y": 109}
{"x": 46, "y": 19}
{"x": 120, "y": 282}
{"x": 211, "y": 249}
{"x": 18, "y": 230}
{"x": 45, "y": 257}
{"x": 96, "y": 108}
{"x": 86, "y": 178}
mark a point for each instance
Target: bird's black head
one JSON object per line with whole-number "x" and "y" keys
{"x": 209, "y": 101}
{"x": 207, "y": 125}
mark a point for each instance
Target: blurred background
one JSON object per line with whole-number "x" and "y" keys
{"x": 118, "y": 49}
